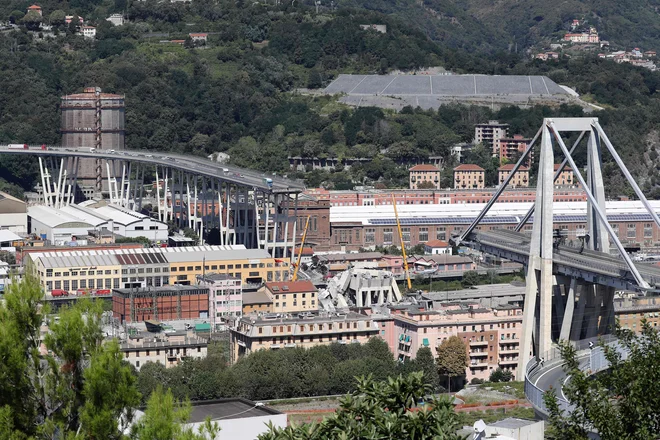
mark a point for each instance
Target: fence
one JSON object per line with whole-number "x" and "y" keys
{"x": 597, "y": 362}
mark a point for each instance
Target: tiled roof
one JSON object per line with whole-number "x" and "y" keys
{"x": 424, "y": 167}
{"x": 468, "y": 167}
{"x": 509, "y": 167}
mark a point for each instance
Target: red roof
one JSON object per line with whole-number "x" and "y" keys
{"x": 509, "y": 167}
{"x": 566, "y": 168}
{"x": 424, "y": 167}
{"x": 198, "y": 35}
{"x": 35, "y": 7}
{"x": 302, "y": 286}
{"x": 305, "y": 251}
{"x": 437, "y": 244}
{"x": 468, "y": 167}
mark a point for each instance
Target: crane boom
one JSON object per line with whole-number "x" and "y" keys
{"x": 403, "y": 246}
{"x": 302, "y": 244}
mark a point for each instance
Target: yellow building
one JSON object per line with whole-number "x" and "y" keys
{"x": 469, "y": 176}
{"x": 76, "y": 272}
{"x": 292, "y": 296}
{"x": 566, "y": 177}
{"x": 269, "y": 332}
{"x": 519, "y": 180}
{"x": 428, "y": 176}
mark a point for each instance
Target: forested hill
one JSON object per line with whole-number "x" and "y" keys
{"x": 502, "y": 24}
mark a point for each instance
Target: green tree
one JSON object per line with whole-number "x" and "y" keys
{"x": 424, "y": 362}
{"x": 165, "y": 418}
{"x": 452, "y": 359}
{"x": 470, "y": 278}
{"x": 57, "y": 18}
{"x": 141, "y": 239}
{"x": 7, "y": 257}
{"x": 16, "y": 16}
{"x": 620, "y": 403}
{"x": 382, "y": 410}
{"x": 426, "y": 185}
{"x": 500, "y": 375}
{"x": 32, "y": 20}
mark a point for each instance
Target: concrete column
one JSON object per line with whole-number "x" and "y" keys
{"x": 607, "y": 311}
{"x": 578, "y": 315}
{"x": 565, "y": 332}
{"x": 594, "y": 300}
{"x": 599, "y": 239}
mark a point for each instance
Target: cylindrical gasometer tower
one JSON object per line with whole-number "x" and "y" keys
{"x": 96, "y": 120}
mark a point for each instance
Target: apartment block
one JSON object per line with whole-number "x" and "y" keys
{"x": 274, "y": 331}
{"x": 488, "y": 134}
{"x": 292, "y": 296}
{"x": 469, "y": 176}
{"x": 491, "y": 336}
{"x": 168, "y": 349}
{"x": 566, "y": 177}
{"x": 510, "y": 149}
{"x": 519, "y": 180}
{"x": 225, "y": 297}
{"x": 426, "y": 176}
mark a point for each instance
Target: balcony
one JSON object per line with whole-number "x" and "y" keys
{"x": 516, "y": 351}
{"x": 508, "y": 362}
{"x": 478, "y": 364}
{"x": 479, "y": 354}
{"x": 509, "y": 341}
{"x": 478, "y": 343}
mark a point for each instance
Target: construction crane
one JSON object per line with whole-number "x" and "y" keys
{"x": 403, "y": 246}
{"x": 302, "y": 245}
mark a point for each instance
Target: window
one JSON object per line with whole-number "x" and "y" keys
{"x": 66, "y": 284}
{"x": 423, "y": 234}
{"x": 174, "y": 269}
{"x": 74, "y": 273}
{"x": 405, "y": 232}
{"x": 441, "y": 233}
{"x": 74, "y": 284}
{"x": 370, "y": 235}
{"x": 387, "y": 235}
{"x": 65, "y": 274}
{"x": 648, "y": 230}
{"x": 632, "y": 230}
{"x": 49, "y": 272}
{"x": 58, "y": 285}
{"x": 198, "y": 267}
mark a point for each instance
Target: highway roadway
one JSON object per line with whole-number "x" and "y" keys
{"x": 518, "y": 243}
{"x": 190, "y": 164}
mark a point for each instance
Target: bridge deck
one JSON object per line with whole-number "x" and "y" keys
{"x": 516, "y": 246}
{"x": 191, "y": 164}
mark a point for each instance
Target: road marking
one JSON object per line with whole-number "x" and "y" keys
{"x": 562, "y": 387}
{"x": 546, "y": 372}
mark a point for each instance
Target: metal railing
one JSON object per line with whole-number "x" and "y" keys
{"x": 597, "y": 362}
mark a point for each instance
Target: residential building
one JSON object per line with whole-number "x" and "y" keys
{"x": 116, "y": 19}
{"x": 426, "y": 176}
{"x": 491, "y": 336}
{"x": 35, "y": 8}
{"x": 199, "y": 38}
{"x": 269, "y": 332}
{"x": 168, "y": 349}
{"x": 146, "y": 267}
{"x": 225, "y": 297}
{"x": 437, "y": 247}
{"x": 631, "y": 311}
{"x": 88, "y": 31}
{"x": 510, "y": 149}
{"x": 469, "y": 176}
{"x": 69, "y": 18}
{"x": 488, "y": 134}
{"x": 13, "y": 214}
{"x": 292, "y": 296}
{"x": 440, "y": 263}
{"x": 520, "y": 179}
{"x": 257, "y": 302}
{"x": 566, "y": 177}
{"x": 165, "y": 303}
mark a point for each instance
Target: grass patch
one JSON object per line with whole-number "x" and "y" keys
{"x": 494, "y": 415}
{"x": 516, "y": 389}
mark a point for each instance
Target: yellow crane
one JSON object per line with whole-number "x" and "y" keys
{"x": 403, "y": 246}
{"x": 302, "y": 244}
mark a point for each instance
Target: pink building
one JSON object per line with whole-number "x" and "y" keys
{"x": 225, "y": 297}
{"x": 491, "y": 336}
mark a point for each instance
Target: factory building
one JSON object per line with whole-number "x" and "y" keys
{"x": 365, "y": 227}
{"x": 165, "y": 303}
{"x": 78, "y": 272}
{"x": 96, "y": 120}
{"x": 60, "y": 226}
{"x": 13, "y": 214}
{"x": 168, "y": 349}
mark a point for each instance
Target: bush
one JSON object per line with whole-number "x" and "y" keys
{"x": 476, "y": 381}
{"x": 500, "y": 375}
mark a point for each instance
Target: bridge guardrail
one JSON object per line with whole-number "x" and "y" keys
{"x": 597, "y": 362}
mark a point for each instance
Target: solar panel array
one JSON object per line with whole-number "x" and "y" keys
{"x": 444, "y": 85}
{"x": 504, "y": 219}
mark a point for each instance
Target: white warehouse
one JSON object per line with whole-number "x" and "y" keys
{"x": 60, "y": 226}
